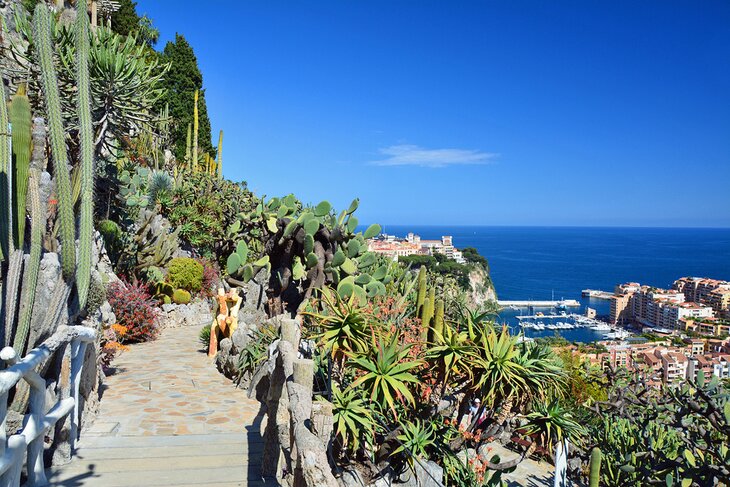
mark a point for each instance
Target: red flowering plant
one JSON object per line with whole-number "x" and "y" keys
{"x": 135, "y": 310}
{"x": 211, "y": 277}
{"x": 111, "y": 344}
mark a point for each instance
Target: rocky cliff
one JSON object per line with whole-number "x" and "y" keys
{"x": 481, "y": 288}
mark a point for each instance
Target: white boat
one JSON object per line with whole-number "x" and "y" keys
{"x": 617, "y": 335}
{"x": 601, "y": 327}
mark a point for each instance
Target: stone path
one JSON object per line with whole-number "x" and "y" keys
{"x": 168, "y": 418}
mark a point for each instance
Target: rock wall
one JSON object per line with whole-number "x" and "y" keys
{"x": 294, "y": 454}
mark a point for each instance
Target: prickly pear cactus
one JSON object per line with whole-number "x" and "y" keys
{"x": 307, "y": 248}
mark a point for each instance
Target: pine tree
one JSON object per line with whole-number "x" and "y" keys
{"x": 125, "y": 21}
{"x": 181, "y": 81}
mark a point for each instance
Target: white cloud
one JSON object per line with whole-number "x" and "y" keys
{"x": 413, "y": 155}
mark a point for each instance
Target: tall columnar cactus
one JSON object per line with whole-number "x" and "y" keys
{"x": 37, "y": 227}
{"x": 86, "y": 153}
{"x": 422, "y": 285}
{"x": 195, "y": 134}
{"x": 219, "y": 158}
{"x": 189, "y": 148}
{"x": 5, "y": 204}
{"x": 595, "y": 475}
{"x": 438, "y": 321}
{"x": 427, "y": 314}
{"x": 20, "y": 122}
{"x": 44, "y": 54}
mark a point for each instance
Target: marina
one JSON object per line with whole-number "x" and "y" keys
{"x": 540, "y": 322}
{"x": 563, "y": 303}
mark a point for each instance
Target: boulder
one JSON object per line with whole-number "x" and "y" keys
{"x": 227, "y": 358}
{"x": 240, "y": 337}
{"x": 351, "y": 478}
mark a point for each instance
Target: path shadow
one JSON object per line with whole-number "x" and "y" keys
{"x": 255, "y": 451}
{"x": 534, "y": 480}
{"x": 53, "y": 474}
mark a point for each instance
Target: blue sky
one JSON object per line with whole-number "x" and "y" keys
{"x": 493, "y": 113}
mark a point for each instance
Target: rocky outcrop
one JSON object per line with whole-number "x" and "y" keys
{"x": 481, "y": 289}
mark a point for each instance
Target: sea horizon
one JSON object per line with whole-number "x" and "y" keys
{"x": 456, "y": 225}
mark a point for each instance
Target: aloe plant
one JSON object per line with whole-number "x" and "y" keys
{"x": 387, "y": 373}
{"x": 352, "y": 417}
{"x": 345, "y": 326}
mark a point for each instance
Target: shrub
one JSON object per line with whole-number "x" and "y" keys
{"x": 185, "y": 273}
{"x": 204, "y": 207}
{"x": 111, "y": 345}
{"x": 113, "y": 238}
{"x": 135, "y": 309}
{"x": 180, "y": 296}
{"x": 211, "y": 277}
{"x": 204, "y": 336}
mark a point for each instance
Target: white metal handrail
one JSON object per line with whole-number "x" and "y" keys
{"x": 37, "y": 421}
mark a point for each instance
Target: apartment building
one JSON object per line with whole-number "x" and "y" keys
{"x": 712, "y": 292}
{"x": 674, "y": 367}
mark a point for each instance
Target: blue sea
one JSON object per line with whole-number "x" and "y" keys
{"x": 539, "y": 262}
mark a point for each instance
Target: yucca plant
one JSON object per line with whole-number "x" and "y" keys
{"x": 386, "y": 372}
{"x": 352, "y": 417}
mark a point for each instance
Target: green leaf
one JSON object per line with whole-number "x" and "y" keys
{"x": 686, "y": 482}
{"x": 322, "y": 209}
{"x": 308, "y": 244}
{"x": 234, "y": 229}
{"x": 349, "y": 266}
{"x": 271, "y": 224}
{"x": 346, "y": 287}
{"x": 290, "y": 227}
{"x": 372, "y": 231}
{"x": 247, "y": 273}
{"x": 352, "y": 224}
{"x": 353, "y": 206}
{"x": 380, "y": 272}
{"x": 353, "y": 248}
{"x": 311, "y": 226}
{"x": 669, "y": 480}
{"x": 338, "y": 259}
{"x": 312, "y": 260}
{"x": 233, "y": 263}
{"x": 297, "y": 269}
{"x": 262, "y": 261}
{"x": 242, "y": 251}
{"x": 689, "y": 457}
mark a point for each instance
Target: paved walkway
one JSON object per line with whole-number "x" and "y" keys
{"x": 168, "y": 418}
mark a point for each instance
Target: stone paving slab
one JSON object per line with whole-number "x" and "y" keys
{"x": 167, "y": 418}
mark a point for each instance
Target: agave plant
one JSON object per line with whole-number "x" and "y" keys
{"x": 386, "y": 373}
{"x": 352, "y": 417}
